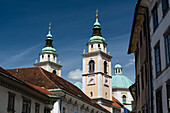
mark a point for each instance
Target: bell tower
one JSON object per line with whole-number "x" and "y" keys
{"x": 48, "y": 57}
{"x": 96, "y": 78}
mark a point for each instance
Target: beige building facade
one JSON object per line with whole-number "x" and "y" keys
{"x": 96, "y": 78}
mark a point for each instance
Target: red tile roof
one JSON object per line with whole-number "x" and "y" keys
{"x": 116, "y": 103}
{"x": 42, "y": 78}
{"x": 40, "y": 89}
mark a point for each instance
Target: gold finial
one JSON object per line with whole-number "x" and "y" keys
{"x": 117, "y": 61}
{"x": 97, "y": 13}
{"x": 49, "y": 26}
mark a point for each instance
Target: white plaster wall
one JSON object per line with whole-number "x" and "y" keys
{"x": 18, "y": 101}
{"x": 155, "y": 36}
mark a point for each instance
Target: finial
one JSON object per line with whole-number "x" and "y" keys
{"x": 97, "y": 13}
{"x": 59, "y": 63}
{"x": 109, "y": 53}
{"x": 36, "y": 61}
{"x": 84, "y": 51}
{"x": 117, "y": 61}
{"x": 49, "y": 26}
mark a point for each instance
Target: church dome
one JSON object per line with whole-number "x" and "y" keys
{"x": 118, "y": 79}
{"x": 118, "y": 66}
{"x": 48, "y": 49}
{"x": 121, "y": 81}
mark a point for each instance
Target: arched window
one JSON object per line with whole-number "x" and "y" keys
{"x": 91, "y": 66}
{"x": 98, "y": 45}
{"x": 54, "y": 71}
{"x": 115, "y": 71}
{"x": 105, "y": 67}
{"x": 106, "y": 94}
{"x": 42, "y": 56}
{"x": 91, "y": 94}
{"x": 48, "y": 57}
{"x": 124, "y": 98}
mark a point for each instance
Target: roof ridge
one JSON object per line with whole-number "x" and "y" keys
{"x": 23, "y": 68}
{"x": 42, "y": 70}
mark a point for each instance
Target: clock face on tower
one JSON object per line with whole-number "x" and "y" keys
{"x": 106, "y": 81}
{"x": 91, "y": 80}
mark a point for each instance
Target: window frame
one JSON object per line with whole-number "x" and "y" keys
{"x": 37, "y": 104}
{"x": 13, "y": 103}
{"x": 166, "y": 34}
{"x": 159, "y": 96}
{"x": 167, "y": 8}
{"x": 168, "y": 103}
{"x": 105, "y": 67}
{"x": 157, "y": 46}
{"x": 27, "y": 103}
{"x": 156, "y": 16}
{"x": 91, "y": 66}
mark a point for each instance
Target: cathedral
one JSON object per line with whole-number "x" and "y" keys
{"x": 99, "y": 91}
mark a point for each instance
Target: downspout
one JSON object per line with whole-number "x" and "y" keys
{"x": 149, "y": 59}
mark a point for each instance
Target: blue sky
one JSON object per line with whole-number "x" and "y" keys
{"x": 24, "y": 26}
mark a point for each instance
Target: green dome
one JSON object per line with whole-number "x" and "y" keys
{"x": 48, "y": 49}
{"x": 97, "y": 38}
{"x": 118, "y": 66}
{"x": 79, "y": 85}
{"x": 121, "y": 81}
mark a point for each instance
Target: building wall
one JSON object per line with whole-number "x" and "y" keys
{"x": 4, "y": 93}
{"x": 158, "y": 35}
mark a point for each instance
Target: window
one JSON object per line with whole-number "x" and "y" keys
{"x": 46, "y": 110}
{"x": 64, "y": 110}
{"x": 106, "y": 94}
{"x": 167, "y": 46}
{"x": 42, "y": 56}
{"x": 124, "y": 99}
{"x": 157, "y": 59}
{"x": 54, "y": 71}
{"x": 26, "y": 108}
{"x": 159, "y": 101}
{"x": 105, "y": 67}
{"x": 11, "y": 101}
{"x": 98, "y": 45}
{"x": 91, "y": 66}
{"x": 155, "y": 17}
{"x": 54, "y": 57}
{"x": 168, "y": 95}
{"x": 48, "y": 57}
{"x": 91, "y": 94}
{"x": 165, "y": 6}
{"x": 37, "y": 108}
{"x": 92, "y": 46}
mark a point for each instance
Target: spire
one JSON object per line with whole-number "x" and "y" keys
{"x": 96, "y": 28}
{"x": 49, "y": 46}
{"x": 96, "y": 36}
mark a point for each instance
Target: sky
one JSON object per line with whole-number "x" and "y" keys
{"x": 24, "y": 26}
